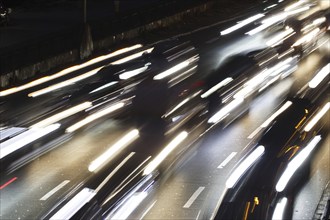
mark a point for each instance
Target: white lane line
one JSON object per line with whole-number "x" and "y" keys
{"x": 194, "y": 197}
{"x": 224, "y": 163}
{"x": 150, "y": 207}
{"x": 51, "y": 192}
{"x": 255, "y": 132}
{"x": 199, "y": 212}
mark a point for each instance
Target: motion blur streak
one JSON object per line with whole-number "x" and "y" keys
{"x": 319, "y": 76}
{"x": 216, "y": 87}
{"x": 130, "y": 205}
{"x": 67, "y": 211}
{"x": 247, "y": 162}
{"x": 274, "y": 19}
{"x": 279, "y": 209}
{"x": 182, "y": 103}
{"x": 317, "y": 117}
{"x": 241, "y": 24}
{"x": 131, "y": 57}
{"x": 124, "y": 141}
{"x": 104, "y": 86}
{"x": 25, "y": 138}
{"x": 67, "y": 70}
{"x": 94, "y": 116}
{"x": 64, "y": 83}
{"x": 165, "y": 152}
{"x": 126, "y": 204}
{"x": 225, "y": 110}
{"x": 10, "y": 132}
{"x": 8, "y": 182}
{"x": 113, "y": 172}
{"x": 172, "y": 70}
{"x": 277, "y": 113}
{"x": 269, "y": 7}
{"x": 307, "y": 37}
{"x": 295, "y": 163}
{"x": 129, "y": 74}
{"x": 294, "y": 5}
{"x": 62, "y": 115}
{"x": 280, "y": 67}
{"x": 266, "y": 23}
{"x": 319, "y": 21}
{"x": 279, "y": 38}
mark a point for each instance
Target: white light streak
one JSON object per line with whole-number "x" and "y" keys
{"x": 53, "y": 191}
{"x": 271, "y": 6}
{"x": 64, "y": 83}
{"x": 279, "y": 209}
{"x": 246, "y": 163}
{"x": 78, "y": 201}
{"x": 130, "y": 74}
{"x": 104, "y": 86}
{"x": 64, "y": 114}
{"x": 67, "y": 71}
{"x": 10, "y": 132}
{"x": 172, "y": 70}
{"x": 277, "y": 113}
{"x": 182, "y": 103}
{"x": 131, "y": 57}
{"x": 307, "y": 37}
{"x": 267, "y": 23}
{"x": 295, "y": 163}
{"x": 94, "y": 116}
{"x": 242, "y": 24}
{"x": 294, "y": 5}
{"x": 119, "y": 145}
{"x": 165, "y": 152}
{"x": 225, "y": 111}
{"x": 274, "y": 19}
{"x": 129, "y": 206}
{"x": 216, "y": 87}
{"x": 319, "y": 21}
{"x": 279, "y": 38}
{"x": 317, "y": 117}
{"x": 319, "y": 77}
{"x": 24, "y": 139}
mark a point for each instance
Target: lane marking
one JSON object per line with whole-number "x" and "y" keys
{"x": 7, "y": 183}
{"x": 57, "y": 188}
{"x": 194, "y": 197}
{"x": 255, "y": 132}
{"x": 224, "y": 163}
{"x": 199, "y": 212}
{"x": 150, "y": 207}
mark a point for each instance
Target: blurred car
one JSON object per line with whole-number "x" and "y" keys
{"x": 231, "y": 88}
{"x": 264, "y": 183}
{"x": 266, "y": 178}
{"x": 302, "y": 34}
{"x": 168, "y": 115}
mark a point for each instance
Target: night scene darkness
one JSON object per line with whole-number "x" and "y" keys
{"x": 165, "y": 109}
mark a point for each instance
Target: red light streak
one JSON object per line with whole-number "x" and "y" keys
{"x": 7, "y": 183}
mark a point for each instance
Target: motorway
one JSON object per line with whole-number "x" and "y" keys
{"x": 198, "y": 181}
{"x": 191, "y": 187}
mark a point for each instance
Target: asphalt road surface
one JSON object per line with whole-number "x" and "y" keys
{"x": 194, "y": 184}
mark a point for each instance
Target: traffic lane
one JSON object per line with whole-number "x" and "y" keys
{"x": 201, "y": 174}
{"x": 207, "y": 168}
{"x": 308, "y": 67}
{"x": 309, "y": 195}
{"x": 60, "y": 169}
